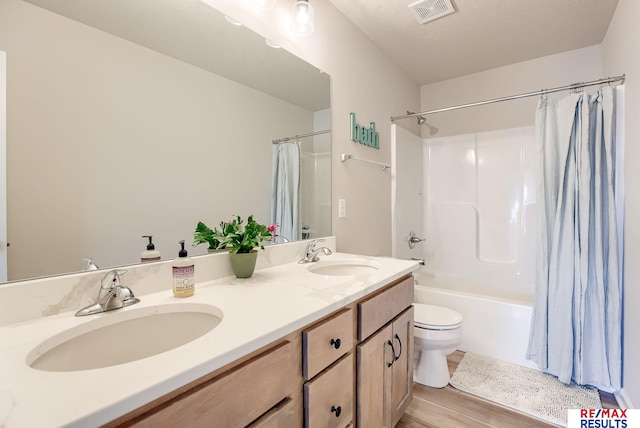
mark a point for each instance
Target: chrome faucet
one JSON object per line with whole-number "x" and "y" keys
{"x": 112, "y": 295}
{"x": 311, "y": 253}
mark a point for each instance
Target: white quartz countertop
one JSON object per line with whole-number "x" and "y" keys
{"x": 256, "y": 311}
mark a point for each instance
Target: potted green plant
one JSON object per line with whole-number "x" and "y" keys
{"x": 242, "y": 240}
{"x": 205, "y": 235}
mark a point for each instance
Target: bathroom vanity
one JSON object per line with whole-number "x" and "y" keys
{"x": 308, "y": 378}
{"x": 294, "y": 347}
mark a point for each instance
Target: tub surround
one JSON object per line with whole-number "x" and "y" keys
{"x": 280, "y": 298}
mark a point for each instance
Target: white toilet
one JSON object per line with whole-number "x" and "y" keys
{"x": 437, "y": 332}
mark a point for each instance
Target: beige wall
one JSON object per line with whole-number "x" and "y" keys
{"x": 529, "y": 76}
{"x": 363, "y": 81}
{"x": 620, "y": 55}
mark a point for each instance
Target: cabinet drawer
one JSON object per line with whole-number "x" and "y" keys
{"x": 326, "y": 342}
{"x": 280, "y": 416}
{"x": 235, "y": 398}
{"x": 328, "y": 399}
{"x": 378, "y": 310}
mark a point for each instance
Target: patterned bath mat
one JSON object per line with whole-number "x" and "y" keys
{"x": 521, "y": 388}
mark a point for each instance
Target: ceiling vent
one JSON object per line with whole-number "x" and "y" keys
{"x": 428, "y": 10}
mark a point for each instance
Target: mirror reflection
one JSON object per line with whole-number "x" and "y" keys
{"x": 127, "y": 119}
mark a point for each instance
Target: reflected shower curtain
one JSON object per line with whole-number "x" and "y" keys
{"x": 286, "y": 189}
{"x": 576, "y": 325}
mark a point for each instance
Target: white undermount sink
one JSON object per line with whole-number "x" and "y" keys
{"x": 122, "y": 336}
{"x": 346, "y": 267}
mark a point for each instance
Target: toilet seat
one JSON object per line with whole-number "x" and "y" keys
{"x": 431, "y": 317}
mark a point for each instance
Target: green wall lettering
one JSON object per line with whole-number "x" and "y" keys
{"x": 367, "y": 136}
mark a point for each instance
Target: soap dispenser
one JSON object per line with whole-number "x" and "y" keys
{"x": 150, "y": 254}
{"x": 183, "y": 271}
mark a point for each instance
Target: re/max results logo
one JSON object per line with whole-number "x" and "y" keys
{"x": 603, "y": 418}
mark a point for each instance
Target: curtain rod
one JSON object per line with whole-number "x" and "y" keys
{"x": 573, "y": 86}
{"x": 295, "y": 137}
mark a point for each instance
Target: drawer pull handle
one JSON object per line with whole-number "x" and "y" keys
{"x": 393, "y": 352}
{"x": 336, "y": 410}
{"x": 400, "y": 342}
{"x": 336, "y": 343}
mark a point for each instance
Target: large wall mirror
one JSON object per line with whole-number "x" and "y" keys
{"x": 130, "y": 118}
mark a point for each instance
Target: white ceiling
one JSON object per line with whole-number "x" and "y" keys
{"x": 480, "y": 35}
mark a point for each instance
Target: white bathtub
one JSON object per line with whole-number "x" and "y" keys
{"x": 492, "y": 326}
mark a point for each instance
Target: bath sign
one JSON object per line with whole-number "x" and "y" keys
{"x": 367, "y": 136}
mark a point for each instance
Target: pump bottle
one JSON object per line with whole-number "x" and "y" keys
{"x": 150, "y": 254}
{"x": 183, "y": 270}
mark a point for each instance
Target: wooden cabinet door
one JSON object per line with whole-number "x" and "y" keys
{"x": 373, "y": 386}
{"x": 402, "y": 368}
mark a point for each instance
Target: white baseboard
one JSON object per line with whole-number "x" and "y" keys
{"x": 623, "y": 399}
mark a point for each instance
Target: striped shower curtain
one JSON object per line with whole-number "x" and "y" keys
{"x": 286, "y": 189}
{"x": 576, "y": 326}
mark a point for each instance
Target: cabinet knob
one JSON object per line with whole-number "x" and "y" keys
{"x": 336, "y": 343}
{"x": 336, "y": 410}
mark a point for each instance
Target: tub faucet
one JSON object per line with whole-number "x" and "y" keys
{"x": 311, "y": 253}
{"x": 112, "y": 295}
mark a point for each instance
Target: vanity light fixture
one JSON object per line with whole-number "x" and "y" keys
{"x": 302, "y": 18}
{"x": 263, "y": 4}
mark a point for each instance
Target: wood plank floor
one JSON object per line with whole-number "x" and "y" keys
{"x": 449, "y": 407}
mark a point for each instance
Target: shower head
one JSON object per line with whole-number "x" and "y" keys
{"x": 421, "y": 119}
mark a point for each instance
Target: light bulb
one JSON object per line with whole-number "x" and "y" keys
{"x": 302, "y": 18}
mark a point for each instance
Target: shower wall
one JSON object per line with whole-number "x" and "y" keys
{"x": 315, "y": 195}
{"x": 479, "y": 210}
{"x": 315, "y": 179}
{"x": 406, "y": 192}
{"x": 472, "y": 198}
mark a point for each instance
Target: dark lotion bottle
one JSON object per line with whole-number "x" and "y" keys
{"x": 150, "y": 254}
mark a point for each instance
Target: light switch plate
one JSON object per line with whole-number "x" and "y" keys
{"x": 342, "y": 208}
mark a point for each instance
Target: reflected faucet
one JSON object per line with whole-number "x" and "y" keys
{"x": 89, "y": 264}
{"x": 311, "y": 253}
{"x": 112, "y": 295}
{"x": 280, "y": 238}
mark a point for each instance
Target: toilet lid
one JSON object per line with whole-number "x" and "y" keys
{"x": 435, "y": 317}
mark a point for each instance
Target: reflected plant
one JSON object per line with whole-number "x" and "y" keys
{"x": 204, "y": 234}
